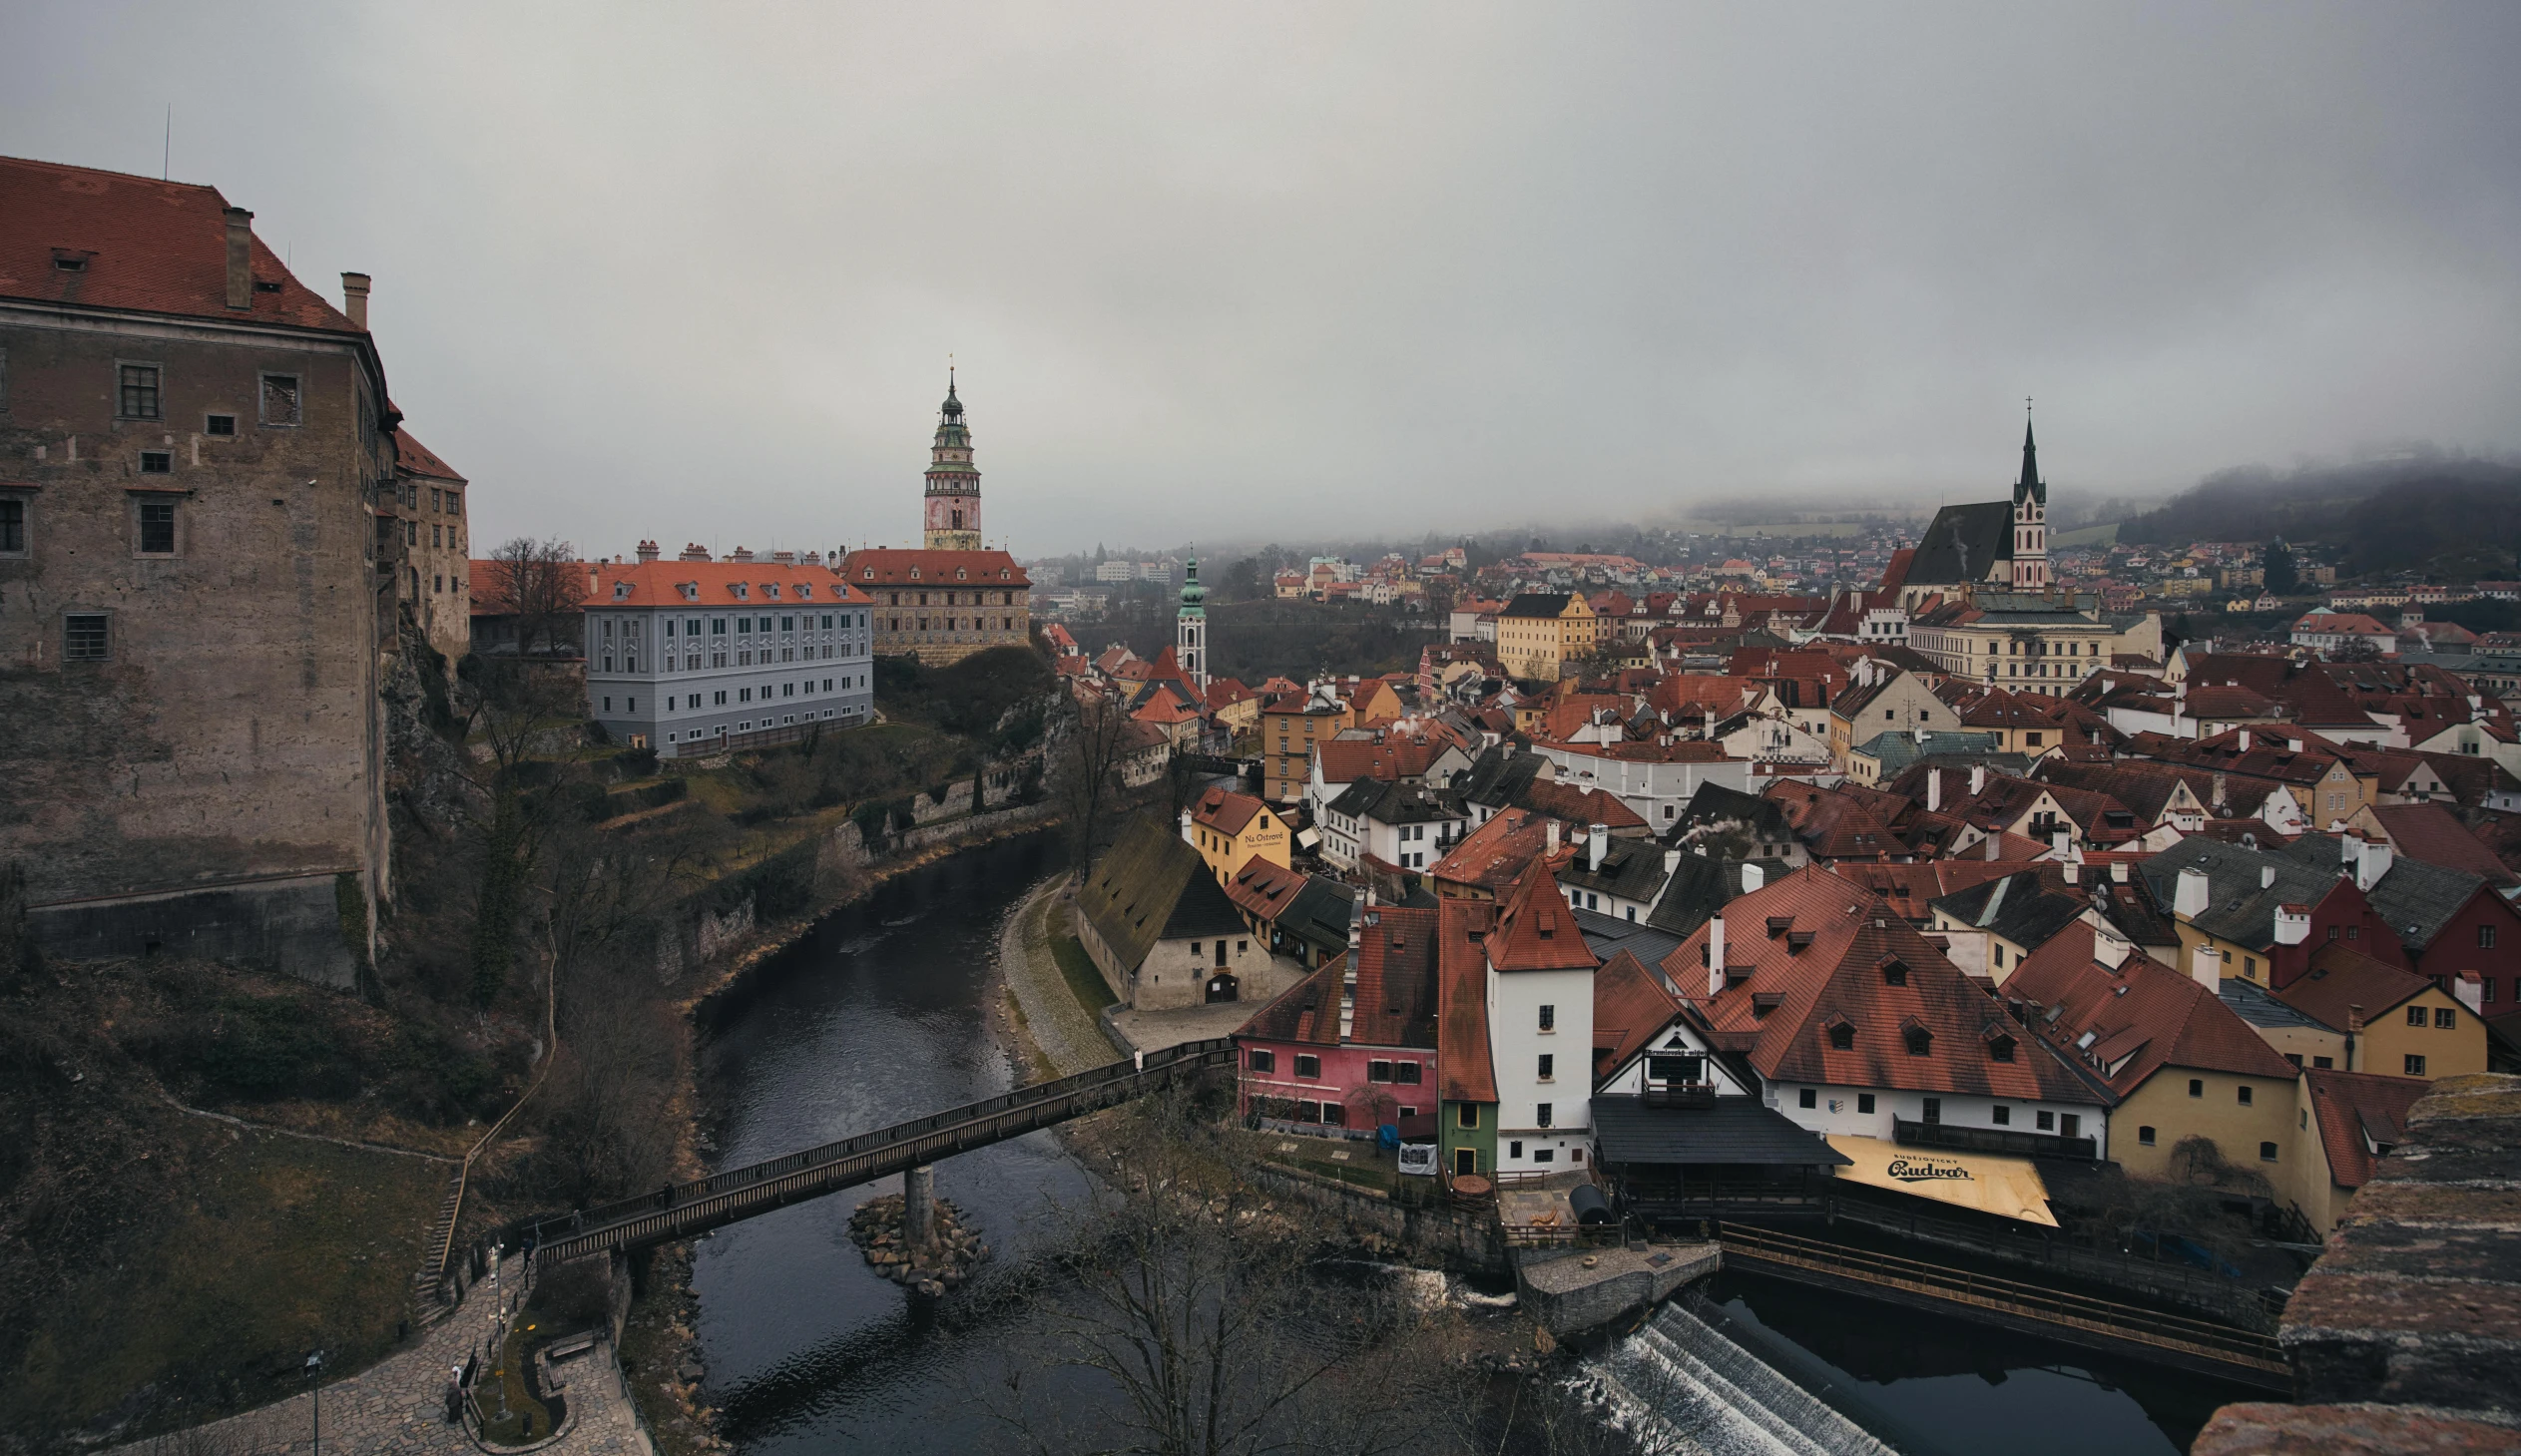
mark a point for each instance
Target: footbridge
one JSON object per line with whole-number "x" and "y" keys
{"x": 2199, "y": 1345}
{"x": 684, "y": 1210}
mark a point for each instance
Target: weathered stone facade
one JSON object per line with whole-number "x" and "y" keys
{"x": 196, "y": 586}
{"x": 429, "y": 499}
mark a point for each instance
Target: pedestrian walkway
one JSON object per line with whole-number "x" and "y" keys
{"x": 398, "y": 1406}
{"x": 1065, "y": 1032}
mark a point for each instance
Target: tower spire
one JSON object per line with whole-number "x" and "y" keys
{"x": 952, "y": 507}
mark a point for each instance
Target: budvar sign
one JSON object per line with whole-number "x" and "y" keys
{"x": 1928, "y": 1169}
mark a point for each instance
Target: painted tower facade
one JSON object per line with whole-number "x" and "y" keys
{"x": 1190, "y": 630}
{"x": 2030, "y": 521}
{"x": 953, "y": 518}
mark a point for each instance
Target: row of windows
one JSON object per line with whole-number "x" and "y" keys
{"x": 140, "y": 393}
{"x": 951, "y": 623}
{"x": 1308, "y": 1067}
{"x": 950, "y": 599}
{"x": 152, "y": 524}
{"x": 787, "y": 720}
{"x": 744, "y": 625}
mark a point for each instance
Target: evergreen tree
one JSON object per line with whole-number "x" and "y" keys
{"x": 2283, "y": 579}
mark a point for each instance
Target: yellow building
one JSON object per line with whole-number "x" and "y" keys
{"x": 1229, "y": 829}
{"x": 1540, "y": 632}
{"x": 1288, "y": 730}
{"x": 2344, "y": 1124}
{"x": 2393, "y": 1023}
{"x": 2029, "y": 642}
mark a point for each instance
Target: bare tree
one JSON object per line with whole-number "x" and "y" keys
{"x": 543, "y": 586}
{"x": 1203, "y": 1309}
{"x": 1091, "y": 748}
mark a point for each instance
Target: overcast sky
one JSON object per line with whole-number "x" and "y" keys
{"x": 694, "y": 271}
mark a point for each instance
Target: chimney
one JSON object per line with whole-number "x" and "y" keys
{"x": 2073, "y": 872}
{"x": 354, "y": 300}
{"x": 1752, "y": 877}
{"x": 1715, "y": 955}
{"x": 1189, "y": 836}
{"x": 2244, "y": 740}
{"x": 2059, "y": 843}
{"x": 1671, "y": 862}
{"x": 2205, "y": 967}
{"x": 1934, "y": 789}
{"x": 1993, "y": 848}
{"x": 647, "y": 550}
{"x": 1977, "y": 780}
{"x": 2266, "y": 876}
{"x": 2292, "y": 925}
{"x": 1549, "y": 834}
{"x": 784, "y": 558}
{"x": 2118, "y": 871}
{"x": 740, "y": 554}
{"x": 1597, "y": 841}
{"x": 2187, "y": 900}
{"x": 2370, "y": 865}
{"x": 694, "y": 551}
{"x": 240, "y": 258}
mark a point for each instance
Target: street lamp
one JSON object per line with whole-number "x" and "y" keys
{"x": 315, "y": 1393}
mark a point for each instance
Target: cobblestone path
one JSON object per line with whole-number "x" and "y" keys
{"x": 398, "y": 1407}
{"x": 1064, "y": 1031}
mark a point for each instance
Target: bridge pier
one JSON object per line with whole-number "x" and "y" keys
{"x": 919, "y": 1206}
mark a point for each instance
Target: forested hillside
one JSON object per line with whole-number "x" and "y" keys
{"x": 2438, "y": 513}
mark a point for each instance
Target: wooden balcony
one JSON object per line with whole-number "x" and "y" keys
{"x": 1697, "y": 1096}
{"x": 1991, "y": 1139}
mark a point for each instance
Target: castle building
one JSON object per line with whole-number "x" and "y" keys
{"x": 1189, "y": 630}
{"x": 952, "y": 597}
{"x": 201, "y": 575}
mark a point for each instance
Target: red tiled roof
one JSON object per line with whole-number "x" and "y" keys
{"x": 1396, "y": 992}
{"x": 1578, "y": 805}
{"x": 1493, "y": 856}
{"x": 1263, "y": 888}
{"x": 1226, "y": 811}
{"x": 2354, "y": 1111}
{"x": 659, "y": 584}
{"x": 2432, "y": 834}
{"x": 894, "y": 566}
{"x": 420, "y": 459}
{"x": 1345, "y": 761}
{"x": 1630, "y": 1006}
{"x": 2142, "y": 1015}
{"x": 2341, "y": 977}
{"x": 1783, "y": 993}
{"x": 149, "y": 247}
{"x": 1536, "y": 931}
{"x": 1463, "y": 1070}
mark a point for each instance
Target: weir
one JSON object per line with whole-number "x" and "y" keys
{"x": 1678, "y": 1384}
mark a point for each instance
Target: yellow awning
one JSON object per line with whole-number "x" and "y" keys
{"x": 1990, "y": 1183}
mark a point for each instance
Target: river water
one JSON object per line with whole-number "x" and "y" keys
{"x": 883, "y": 1012}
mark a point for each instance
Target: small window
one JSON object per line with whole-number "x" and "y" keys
{"x": 1514, "y": 1146}
{"x": 2197, "y": 1087}
{"x": 2415, "y": 1066}
{"x": 1466, "y": 1115}
{"x": 1843, "y": 1037}
{"x": 83, "y": 637}
{"x": 2145, "y": 1135}
{"x": 1549, "y": 1018}
{"x": 156, "y": 528}
{"x": 2267, "y": 1153}
{"x": 2001, "y": 1116}
{"x": 2415, "y": 1016}
{"x": 2445, "y": 1017}
{"x": 1541, "y": 1114}
{"x": 2485, "y": 938}
{"x": 1865, "y": 1102}
{"x": 1547, "y": 1071}
{"x": 1262, "y": 1059}
{"x": 281, "y": 403}
{"x": 1808, "y": 1098}
{"x": 1920, "y": 1041}
{"x": 137, "y": 398}
{"x": 1308, "y": 1066}
{"x": 1378, "y": 1071}
{"x": 1406, "y": 1073}
{"x": 2246, "y": 1094}
{"x": 1894, "y": 974}
{"x": 1935, "y": 1110}
{"x": 1544, "y": 1155}
{"x": 218, "y": 425}
{"x": 2045, "y": 1121}
{"x": 156, "y": 462}
{"x": 12, "y": 526}
{"x": 2325, "y": 1062}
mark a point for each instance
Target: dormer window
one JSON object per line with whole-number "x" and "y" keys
{"x": 1920, "y": 1041}
{"x": 1005, "y": 574}
{"x": 621, "y": 591}
{"x": 743, "y": 592}
{"x": 915, "y": 573}
{"x": 71, "y": 260}
{"x": 1894, "y": 973}
{"x": 961, "y": 575}
{"x": 690, "y": 591}
{"x": 870, "y": 573}
{"x": 805, "y": 589}
{"x": 1999, "y": 1047}
{"x": 1841, "y": 1035}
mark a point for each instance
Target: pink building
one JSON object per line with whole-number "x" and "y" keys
{"x": 1338, "y": 1055}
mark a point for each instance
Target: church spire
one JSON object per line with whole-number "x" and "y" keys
{"x": 2030, "y": 484}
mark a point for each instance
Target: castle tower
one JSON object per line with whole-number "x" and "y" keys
{"x": 953, "y": 518}
{"x": 1189, "y": 628}
{"x": 2030, "y": 521}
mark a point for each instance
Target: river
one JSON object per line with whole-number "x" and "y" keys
{"x": 882, "y": 1012}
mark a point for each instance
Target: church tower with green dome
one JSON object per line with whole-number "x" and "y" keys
{"x": 1189, "y": 630}
{"x": 953, "y": 504}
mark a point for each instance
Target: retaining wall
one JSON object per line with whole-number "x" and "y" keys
{"x": 1457, "y": 1238}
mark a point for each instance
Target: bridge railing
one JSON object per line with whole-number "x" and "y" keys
{"x": 682, "y": 1204}
{"x": 1965, "y": 1287}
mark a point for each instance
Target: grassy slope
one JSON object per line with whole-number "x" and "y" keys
{"x": 1084, "y": 982}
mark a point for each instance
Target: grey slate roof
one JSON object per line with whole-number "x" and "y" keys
{"x": 2252, "y": 1003}
{"x": 1962, "y": 543}
{"x": 2414, "y": 898}
{"x": 2014, "y": 907}
{"x": 1498, "y": 777}
{"x": 1390, "y": 802}
{"x": 2238, "y": 908}
{"x": 1736, "y": 1130}
{"x": 1536, "y": 604}
{"x": 1699, "y": 887}
{"x": 1713, "y": 805}
{"x": 1631, "y": 869}
{"x": 1318, "y": 913}
{"x": 1896, "y": 750}
{"x": 1608, "y": 936}
{"x": 1151, "y": 886}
